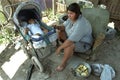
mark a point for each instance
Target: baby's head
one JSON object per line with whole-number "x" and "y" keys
{"x": 31, "y": 21}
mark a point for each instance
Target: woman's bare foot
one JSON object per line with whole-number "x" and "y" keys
{"x": 60, "y": 68}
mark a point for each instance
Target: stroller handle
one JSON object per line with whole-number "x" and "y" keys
{"x": 11, "y": 10}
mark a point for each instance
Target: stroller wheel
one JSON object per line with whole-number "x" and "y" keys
{"x": 37, "y": 63}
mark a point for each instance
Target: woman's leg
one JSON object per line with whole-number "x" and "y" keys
{"x": 68, "y": 52}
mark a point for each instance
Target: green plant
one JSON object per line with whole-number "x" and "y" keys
{"x": 6, "y": 34}
{"x": 6, "y": 30}
{"x": 49, "y": 13}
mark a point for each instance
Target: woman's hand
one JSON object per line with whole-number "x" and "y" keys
{"x": 66, "y": 44}
{"x": 55, "y": 26}
{"x": 61, "y": 28}
{"x": 57, "y": 52}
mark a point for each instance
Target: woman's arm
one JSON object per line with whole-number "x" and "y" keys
{"x": 61, "y": 28}
{"x": 66, "y": 44}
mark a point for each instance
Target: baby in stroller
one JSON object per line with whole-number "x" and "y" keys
{"x": 34, "y": 29}
{"x": 37, "y": 33}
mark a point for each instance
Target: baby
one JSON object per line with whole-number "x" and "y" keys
{"x": 35, "y": 31}
{"x": 34, "y": 28}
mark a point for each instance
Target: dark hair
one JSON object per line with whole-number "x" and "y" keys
{"x": 74, "y": 7}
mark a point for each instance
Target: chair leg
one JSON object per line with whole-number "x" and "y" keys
{"x": 93, "y": 57}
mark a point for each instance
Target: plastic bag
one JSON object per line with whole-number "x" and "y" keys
{"x": 97, "y": 69}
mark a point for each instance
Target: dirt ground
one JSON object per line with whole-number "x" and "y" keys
{"x": 107, "y": 53}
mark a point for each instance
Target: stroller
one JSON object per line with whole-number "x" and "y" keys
{"x": 23, "y": 12}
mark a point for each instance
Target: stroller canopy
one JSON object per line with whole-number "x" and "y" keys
{"x": 25, "y": 11}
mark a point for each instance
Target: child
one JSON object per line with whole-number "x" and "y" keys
{"x": 34, "y": 28}
{"x": 35, "y": 31}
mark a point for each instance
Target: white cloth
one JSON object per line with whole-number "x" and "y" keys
{"x": 108, "y": 73}
{"x": 35, "y": 28}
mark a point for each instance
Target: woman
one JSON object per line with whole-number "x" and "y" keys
{"x": 78, "y": 34}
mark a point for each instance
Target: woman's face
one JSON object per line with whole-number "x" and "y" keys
{"x": 72, "y": 15}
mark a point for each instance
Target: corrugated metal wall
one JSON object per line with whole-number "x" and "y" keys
{"x": 114, "y": 8}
